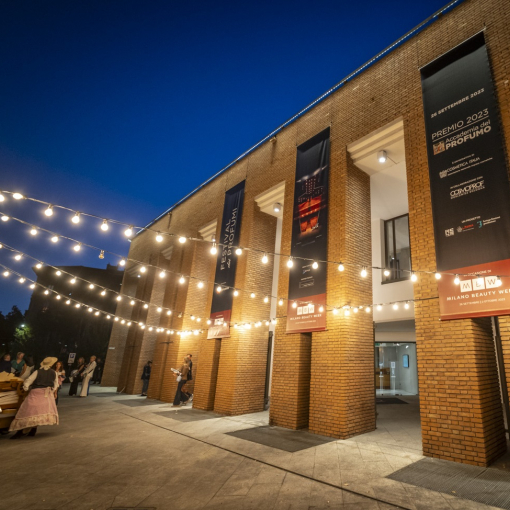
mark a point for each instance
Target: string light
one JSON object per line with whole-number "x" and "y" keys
{"x": 406, "y": 305}
{"x": 159, "y": 309}
{"x": 132, "y": 302}
{"x": 76, "y": 218}
{"x": 367, "y": 309}
{"x": 364, "y": 272}
{"x": 315, "y": 265}
{"x": 252, "y": 295}
{"x": 104, "y": 225}
{"x": 169, "y": 312}
{"x": 341, "y": 267}
{"x": 73, "y": 280}
{"x": 91, "y": 286}
{"x": 18, "y": 256}
{"x": 280, "y": 302}
{"x": 4, "y": 217}
{"x": 290, "y": 263}
{"x": 119, "y": 298}
{"x": 386, "y": 272}
{"x": 77, "y": 247}
{"x": 49, "y": 211}
{"x": 239, "y": 251}
{"x": 218, "y": 289}
{"x": 22, "y": 280}
{"x": 321, "y": 309}
{"x": 438, "y": 276}
{"x": 379, "y": 308}
{"x": 122, "y": 262}
{"x": 335, "y": 311}
{"x": 129, "y": 231}
{"x": 182, "y": 279}
{"x": 294, "y": 305}
{"x": 2, "y": 198}
{"x": 17, "y": 196}
{"x": 395, "y": 306}
{"x": 33, "y": 231}
{"x": 38, "y": 266}
{"x": 200, "y": 284}
{"x": 159, "y": 238}
{"x": 182, "y": 239}
{"x": 456, "y": 280}
{"x": 347, "y": 312}
{"x": 266, "y": 300}
{"x": 142, "y": 269}
{"x": 213, "y": 249}
{"x": 54, "y": 239}
{"x": 414, "y": 278}
{"x": 264, "y": 258}
{"x": 162, "y": 274}
{"x": 103, "y": 292}
{"x": 6, "y": 273}
{"x": 58, "y": 297}
{"x": 236, "y": 292}
{"x": 146, "y": 306}
{"x": 498, "y": 281}
{"x": 101, "y": 254}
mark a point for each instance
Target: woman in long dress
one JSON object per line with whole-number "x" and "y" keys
{"x": 39, "y": 407}
{"x": 76, "y": 377}
{"x": 87, "y": 376}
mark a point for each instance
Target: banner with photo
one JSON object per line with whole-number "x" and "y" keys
{"x": 468, "y": 182}
{"x": 226, "y": 262}
{"x": 307, "y": 286}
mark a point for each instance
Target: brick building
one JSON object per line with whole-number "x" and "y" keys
{"x": 378, "y": 212}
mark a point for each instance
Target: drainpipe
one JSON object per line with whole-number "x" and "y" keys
{"x": 501, "y": 370}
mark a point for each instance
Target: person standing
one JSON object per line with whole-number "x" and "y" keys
{"x": 76, "y": 377}
{"x": 61, "y": 374}
{"x": 98, "y": 372}
{"x": 189, "y": 396}
{"x": 182, "y": 379}
{"x": 18, "y": 363}
{"x": 28, "y": 368}
{"x": 39, "y": 407}
{"x": 86, "y": 376}
{"x": 146, "y": 375}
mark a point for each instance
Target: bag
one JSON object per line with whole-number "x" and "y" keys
{"x": 179, "y": 378}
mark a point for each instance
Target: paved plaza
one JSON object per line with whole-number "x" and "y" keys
{"x": 121, "y": 451}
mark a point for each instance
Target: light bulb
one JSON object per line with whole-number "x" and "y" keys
{"x": 116, "y": 319}
{"x": 456, "y": 280}
{"x": 498, "y": 282}
{"x": 122, "y": 262}
{"x": 395, "y": 306}
{"x": 58, "y": 296}
{"x": 200, "y": 285}
{"x": 386, "y": 272}
{"x": 159, "y": 238}
{"x": 321, "y": 309}
{"x": 341, "y": 267}
{"x": 68, "y": 302}
{"x": 364, "y": 272}
{"x": 192, "y": 317}
{"x": 17, "y": 196}
{"x": 146, "y": 306}
{"x": 438, "y": 276}
{"x": 169, "y": 312}
{"x": 159, "y": 309}
{"x": 128, "y": 324}
{"x": 129, "y": 231}
{"x": 119, "y": 298}
{"x": 355, "y": 309}
{"x": 5, "y": 217}
{"x": 108, "y": 317}
{"x": 379, "y": 308}
{"x": 198, "y": 319}
{"x": 38, "y": 266}
{"x": 101, "y": 254}
{"x": 414, "y": 278}
{"x": 182, "y": 239}
{"x": 406, "y": 305}
{"x": 266, "y": 300}
{"x": 290, "y": 263}
{"x": 294, "y": 305}
{"x": 236, "y": 293}
{"x": 151, "y": 328}
{"x": 103, "y": 292}
{"x": 46, "y": 292}
{"x": 2, "y": 198}
{"x": 77, "y": 247}
{"x": 76, "y": 218}
{"x": 123, "y": 321}
{"x": 252, "y": 295}
{"x": 214, "y": 250}
{"x": 382, "y": 156}
{"x": 32, "y": 286}
{"x": 73, "y": 280}
{"x": 162, "y": 274}
{"x": 142, "y": 269}
{"x": 264, "y": 259}
{"x": 132, "y": 302}
{"x": 90, "y": 309}
{"x": 367, "y": 309}
{"x": 96, "y": 314}
{"x": 315, "y": 265}
{"x": 208, "y": 321}
{"x": 54, "y": 239}
{"x": 77, "y": 305}
{"x": 347, "y": 312}
{"x": 22, "y": 280}
{"x": 91, "y": 286}
{"x": 335, "y": 311}
{"x": 280, "y": 302}
{"x": 18, "y": 256}
{"x": 218, "y": 289}
{"x": 104, "y": 225}
{"x": 49, "y": 211}
{"x": 239, "y": 251}
{"x": 182, "y": 279}
{"x": 33, "y": 231}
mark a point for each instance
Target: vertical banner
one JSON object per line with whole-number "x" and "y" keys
{"x": 468, "y": 182}
{"x": 226, "y": 262}
{"x": 307, "y": 286}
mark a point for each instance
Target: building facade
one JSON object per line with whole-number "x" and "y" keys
{"x": 379, "y": 215}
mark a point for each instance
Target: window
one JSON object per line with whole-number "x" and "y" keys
{"x": 397, "y": 250}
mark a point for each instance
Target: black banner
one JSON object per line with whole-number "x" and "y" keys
{"x": 307, "y": 285}
{"x": 468, "y": 180}
{"x": 226, "y": 262}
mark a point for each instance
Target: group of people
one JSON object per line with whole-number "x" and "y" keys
{"x": 84, "y": 373}
{"x": 19, "y": 366}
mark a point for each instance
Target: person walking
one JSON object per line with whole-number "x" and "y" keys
{"x": 39, "y": 407}
{"x": 61, "y": 374}
{"x": 189, "y": 396}
{"x": 182, "y": 379}
{"x": 86, "y": 376}
{"x": 18, "y": 364}
{"x": 76, "y": 377}
{"x": 146, "y": 375}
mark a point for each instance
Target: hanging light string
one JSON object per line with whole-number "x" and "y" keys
{"x": 237, "y": 249}
{"x": 346, "y": 308}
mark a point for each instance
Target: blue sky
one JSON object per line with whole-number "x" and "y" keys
{"x": 120, "y": 108}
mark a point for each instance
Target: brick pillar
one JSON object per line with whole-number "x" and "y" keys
{"x": 290, "y": 388}
{"x": 460, "y": 401}
{"x": 343, "y": 355}
{"x": 205, "y": 381}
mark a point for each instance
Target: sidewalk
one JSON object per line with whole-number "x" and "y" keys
{"x": 121, "y": 451}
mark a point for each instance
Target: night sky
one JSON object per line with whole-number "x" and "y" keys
{"x": 120, "y": 108}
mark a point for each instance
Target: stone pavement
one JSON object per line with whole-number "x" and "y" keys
{"x": 121, "y": 451}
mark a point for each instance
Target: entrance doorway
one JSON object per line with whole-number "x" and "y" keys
{"x": 396, "y": 371}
